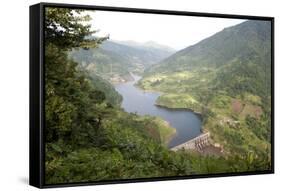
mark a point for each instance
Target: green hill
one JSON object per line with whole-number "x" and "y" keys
{"x": 146, "y": 54}
{"x": 246, "y": 40}
{"x": 149, "y": 52}
{"x": 89, "y": 137}
{"x": 114, "y": 61}
{"x": 226, "y": 77}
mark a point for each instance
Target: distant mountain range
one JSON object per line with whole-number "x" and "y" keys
{"x": 148, "y": 44}
{"x": 116, "y": 59}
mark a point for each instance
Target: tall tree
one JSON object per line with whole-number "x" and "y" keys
{"x": 69, "y": 28}
{"x": 68, "y": 91}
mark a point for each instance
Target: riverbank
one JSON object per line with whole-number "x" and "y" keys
{"x": 145, "y": 102}
{"x": 117, "y": 79}
{"x": 174, "y": 101}
{"x": 185, "y": 102}
{"x": 142, "y": 102}
{"x": 166, "y": 131}
{"x": 179, "y": 109}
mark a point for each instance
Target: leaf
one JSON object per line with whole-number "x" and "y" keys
{"x": 56, "y": 147}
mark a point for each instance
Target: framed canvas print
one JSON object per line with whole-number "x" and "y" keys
{"x": 127, "y": 95}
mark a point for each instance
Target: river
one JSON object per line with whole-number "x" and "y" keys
{"x": 187, "y": 123}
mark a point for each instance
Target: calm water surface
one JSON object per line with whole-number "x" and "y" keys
{"x": 187, "y": 123}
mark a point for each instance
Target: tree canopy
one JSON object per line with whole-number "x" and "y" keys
{"x": 69, "y": 28}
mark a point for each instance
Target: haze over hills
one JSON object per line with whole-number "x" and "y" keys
{"x": 148, "y": 44}
{"x": 227, "y": 78}
{"x": 114, "y": 60}
{"x": 146, "y": 54}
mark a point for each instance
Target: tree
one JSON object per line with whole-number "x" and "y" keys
{"x": 68, "y": 91}
{"x": 66, "y": 29}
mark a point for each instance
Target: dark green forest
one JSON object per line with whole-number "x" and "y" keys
{"x": 89, "y": 137}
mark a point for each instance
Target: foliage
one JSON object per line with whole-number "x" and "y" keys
{"x": 228, "y": 76}
{"x": 179, "y": 101}
{"x": 90, "y": 138}
{"x": 114, "y": 59}
{"x": 66, "y": 29}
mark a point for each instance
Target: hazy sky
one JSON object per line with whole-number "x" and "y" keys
{"x": 175, "y": 31}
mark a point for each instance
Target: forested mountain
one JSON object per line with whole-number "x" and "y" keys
{"x": 236, "y": 59}
{"x": 89, "y": 137}
{"x": 114, "y": 61}
{"x": 247, "y": 40}
{"x": 158, "y": 50}
{"x": 142, "y": 53}
{"x": 227, "y": 78}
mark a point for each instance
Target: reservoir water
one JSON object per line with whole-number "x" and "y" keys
{"x": 187, "y": 123}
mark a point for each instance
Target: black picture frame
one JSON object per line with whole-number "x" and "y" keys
{"x": 36, "y": 131}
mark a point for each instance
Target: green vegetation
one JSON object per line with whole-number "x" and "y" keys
{"x": 106, "y": 64}
{"x": 165, "y": 131}
{"x": 98, "y": 83}
{"x": 179, "y": 101}
{"x": 90, "y": 138}
{"x": 114, "y": 61}
{"x": 225, "y": 77}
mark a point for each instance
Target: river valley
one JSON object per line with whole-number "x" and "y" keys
{"x": 187, "y": 123}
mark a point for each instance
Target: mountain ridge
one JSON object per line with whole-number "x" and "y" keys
{"x": 115, "y": 61}
{"x": 149, "y": 44}
{"x": 226, "y": 78}
{"x": 205, "y": 45}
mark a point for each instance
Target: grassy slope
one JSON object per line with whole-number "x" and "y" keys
{"x": 194, "y": 79}
{"x": 217, "y": 110}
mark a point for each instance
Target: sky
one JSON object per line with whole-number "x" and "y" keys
{"x": 175, "y": 31}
